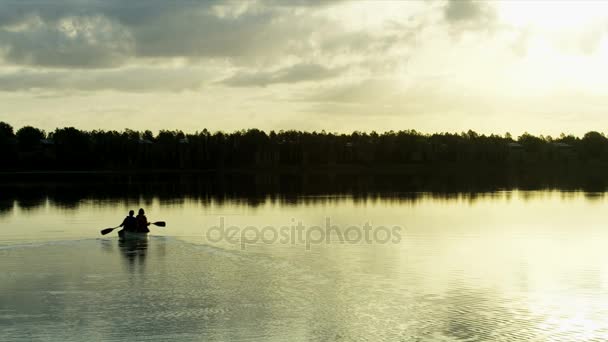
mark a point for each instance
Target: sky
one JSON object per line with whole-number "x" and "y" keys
{"x": 340, "y": 66}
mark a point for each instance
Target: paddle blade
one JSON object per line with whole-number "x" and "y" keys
{"x": 107, "y": 231}
{"x": 160, "y": 224}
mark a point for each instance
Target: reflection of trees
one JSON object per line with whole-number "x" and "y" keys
{"x": 6, "y": 206}
{"x": 30, "y": 203}
{"x": 68, "y": 190}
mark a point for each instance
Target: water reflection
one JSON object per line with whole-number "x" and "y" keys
{"x": 134, "y": 253}
{"x": 70, "y": 192}
{"x": 6, "y": 206}
{"x": 501, "y": 266}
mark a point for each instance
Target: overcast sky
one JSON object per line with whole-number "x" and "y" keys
{"x": 432, "y": 66}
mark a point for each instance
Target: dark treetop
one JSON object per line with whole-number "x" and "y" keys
{"x": 31, "y": 149}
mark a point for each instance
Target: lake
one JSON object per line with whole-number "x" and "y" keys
{"x": 498, "y": 265}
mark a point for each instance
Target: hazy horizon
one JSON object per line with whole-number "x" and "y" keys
{"x": 335, "y": 132}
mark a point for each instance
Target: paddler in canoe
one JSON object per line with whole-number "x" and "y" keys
{"x": 142, "y": 222}
{"x": 129, "y": 224}
{"x": 134, "y": 226}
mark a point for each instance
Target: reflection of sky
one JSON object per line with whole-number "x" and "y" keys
{"x": 503, "y": 214}
{"x": 511, "y": 265}
{"x": 90, "y": 290}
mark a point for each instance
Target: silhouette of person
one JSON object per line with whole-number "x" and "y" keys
{"x": 129, "y": 224}
{"x": 142, "y": 222}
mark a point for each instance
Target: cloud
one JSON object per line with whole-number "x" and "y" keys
{"x": 293, "y": 74}
{"x": 469, "y": 14}
{"x": 72, "y": 41}
{"x": 365, "y": 91}
{"x": 109, "y": 33}
{"x": 90, "y": 45}
{"x": 134, "y": 79}
{"x": 459, "y": 10}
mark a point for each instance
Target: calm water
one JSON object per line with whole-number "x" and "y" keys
{"x": 497, "y": 266}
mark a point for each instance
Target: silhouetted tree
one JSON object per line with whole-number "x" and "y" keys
{"x": 7, "y": 146}
{"x": 29, "y": 137}
{"x": 6, "y": 133}
{"x": 594, "y": 144}
{"x": 71, "y": 148}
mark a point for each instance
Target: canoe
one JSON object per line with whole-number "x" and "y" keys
{"x": 132, "y": 235}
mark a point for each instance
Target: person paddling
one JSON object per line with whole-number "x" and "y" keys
{"x": 142, "y": 222}
{"x": 137, "y": 224}
{"x": 129, "y": 224}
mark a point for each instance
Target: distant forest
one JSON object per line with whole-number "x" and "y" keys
{"x": 30, "y": 148}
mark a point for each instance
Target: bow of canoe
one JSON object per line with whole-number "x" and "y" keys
{"x": 125, "y": 235}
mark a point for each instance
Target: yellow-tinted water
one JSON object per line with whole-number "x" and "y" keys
{"x": 504, "y": 266}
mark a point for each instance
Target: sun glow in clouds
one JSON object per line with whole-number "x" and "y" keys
{"x": 564, "y": 44}
{"x": 553, "y": 16}
{"x": 490, "y": 66}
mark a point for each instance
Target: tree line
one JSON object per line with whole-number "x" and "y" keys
{"x": 68, "y": 148}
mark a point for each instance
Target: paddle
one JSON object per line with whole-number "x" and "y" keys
{"x": 109, "y": 230}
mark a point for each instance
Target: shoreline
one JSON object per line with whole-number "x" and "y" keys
{"x": 337, "y": 168}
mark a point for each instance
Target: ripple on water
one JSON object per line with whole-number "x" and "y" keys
{"x": 164, "y": 288}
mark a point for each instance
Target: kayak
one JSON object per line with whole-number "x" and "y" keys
{"x": 132, "y": 235}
